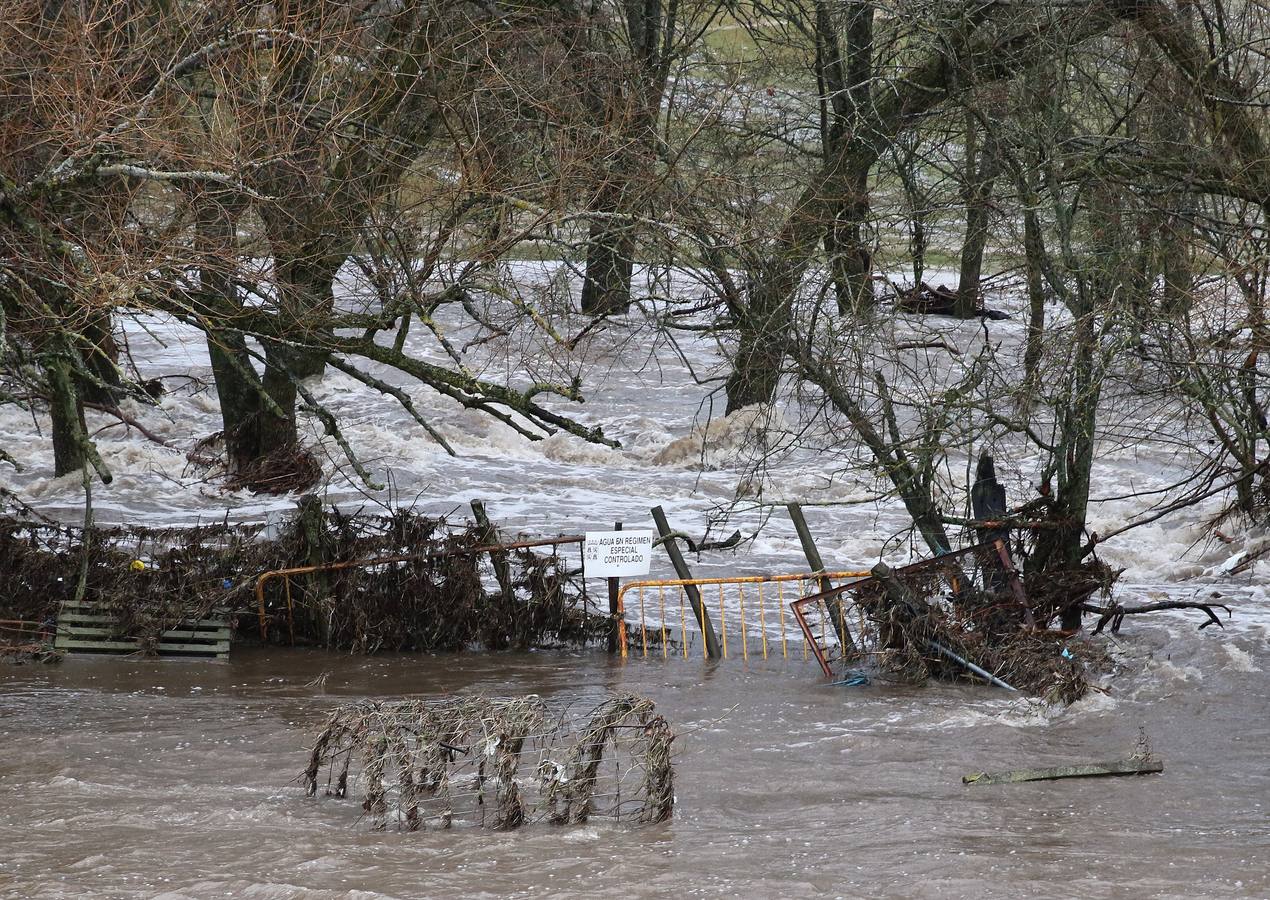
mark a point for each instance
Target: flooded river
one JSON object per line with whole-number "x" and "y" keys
{"x": 128, "y": 778}
{"x": 131, "y": 778}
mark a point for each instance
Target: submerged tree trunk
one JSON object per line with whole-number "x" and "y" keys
{"x": 67, "y": 413}
{"x": 763, "y": 330}
{"x": 238, "y": 386}
{"x": 306, "y": 288}
{"x": 1060, "y": 548}
{"x": 101, "y": 361}
{"x": 982, "y": 164}
{"x": 606, "y": 288}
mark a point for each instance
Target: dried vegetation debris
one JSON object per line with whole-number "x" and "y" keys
{"x": 432, "y": 592}
{"x": 497, "y": 763}
{"x": 966, "y": 603}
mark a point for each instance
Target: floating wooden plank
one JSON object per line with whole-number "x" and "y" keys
{"x": 1092, "y": 770}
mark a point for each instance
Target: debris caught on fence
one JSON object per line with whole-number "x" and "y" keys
{"x": 496, "y": 763}
{"x": 432, "y": 592}
{"x": 955, "y": 616}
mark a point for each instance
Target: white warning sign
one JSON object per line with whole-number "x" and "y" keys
{"x": 614, "y": 554}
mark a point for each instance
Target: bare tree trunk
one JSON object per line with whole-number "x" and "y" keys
{"x": 101, "y": 361}
{"x": 764, "y": 328}
{"x": 981, "y": 167}
{"x": 606, "y": 288}
{"x": 238, "y": 388}
{"x": 1061, "y": 547}
{"x": 237, "y": 385}
{"x": 1034, "y": 255}
{"x": 844, "y": 80}
{"x": 67, "y": 413}
{"x": 306, "y": 276}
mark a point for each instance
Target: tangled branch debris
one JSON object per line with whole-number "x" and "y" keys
{"x": 433, "y": 593}
{"x": 496, "y": 763}
{"x": 965, "y": 603}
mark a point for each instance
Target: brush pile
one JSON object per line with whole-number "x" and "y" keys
{"x": 499, "y": 764}
{"x": 149, "y": 580}
{"x": 432, "y": 592}
{"x": 916, "y": 621}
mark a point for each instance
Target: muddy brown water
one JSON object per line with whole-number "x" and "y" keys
{"x": 132, "y": 778}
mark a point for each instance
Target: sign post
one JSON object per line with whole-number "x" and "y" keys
{"x": 613, "y": 554}
{"x": 615, "y": 584}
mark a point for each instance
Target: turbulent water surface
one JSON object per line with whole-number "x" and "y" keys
{"x": 128, "y": 778}
{"x": 123, "y": 778}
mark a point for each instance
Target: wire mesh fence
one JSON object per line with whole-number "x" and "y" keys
{"x": 496, "y": 763}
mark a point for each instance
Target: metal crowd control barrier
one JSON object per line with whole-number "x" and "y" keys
{"x": 747, "y": 623}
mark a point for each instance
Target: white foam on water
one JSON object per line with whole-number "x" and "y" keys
{"x": 707, "y": 469}
{"x": 1240, "y": 660}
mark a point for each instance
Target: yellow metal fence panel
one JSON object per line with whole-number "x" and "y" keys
{"x": 737, "y": 613}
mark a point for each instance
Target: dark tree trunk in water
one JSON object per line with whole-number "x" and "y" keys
{"x": 756, "y": 368}
{"x": 1034, "y": 254}
{"x": 237, "y": 384}
{"x": 606, "y": 289}
{"x": 844, "y": 80}
{"x": 306, "y": 292}
{"x": 238, "y": 389}
{"x": 101, "y": 360}
{"x": 1060, "y": 548}
{"x": 278, "y": 432}
{"x": 305, "y": 302}
{"x": 67, "y": 413}
{"x": 981, "y": 173}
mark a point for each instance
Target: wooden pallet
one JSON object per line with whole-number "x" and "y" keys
{"x": 85, "y": 628}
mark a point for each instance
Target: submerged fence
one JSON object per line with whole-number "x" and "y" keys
{"x": 791, "y": 616}
{"x": 496, "y": 763}
{"x": 750, "y": 614}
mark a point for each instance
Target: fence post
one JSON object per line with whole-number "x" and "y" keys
{"x": 685, "y": 574}
{"x": 489, "y": 535}
{"x": 834, "y": 603}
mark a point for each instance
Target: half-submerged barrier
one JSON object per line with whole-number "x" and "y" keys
{"x": 750, "y": 611}
{"x": 496, "y": 763}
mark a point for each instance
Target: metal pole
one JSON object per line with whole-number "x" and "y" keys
{"x": 834, "y": 603}
{"x": 614, "y": 586}
{"x": 685, "y": 574}
{"x": 981, "y": 672}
